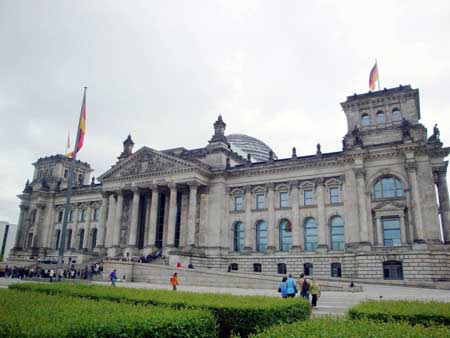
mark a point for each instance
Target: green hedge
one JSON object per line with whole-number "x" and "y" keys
{"x": 30, "y": 314}
{"x": 347, "y": 328}
{"x": 414, "y": 312}
{"x": 238, "y": 314}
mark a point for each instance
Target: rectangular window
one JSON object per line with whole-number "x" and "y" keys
{"x": 83, "y": 215}
{"x": 308, "y": 197}
{"x": 260, "y": 202}
{"x": 60, "y": 216}
{"x": 238, "y": 203}
{"x": 391, "y": 231}
{"x": 284, "y": 199}
{"x": 334, "y": 195}
{"x": 95, "y": 215}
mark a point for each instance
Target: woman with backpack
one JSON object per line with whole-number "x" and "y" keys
{"x": 304, "y": 285}
{"x": 315, "y": 292}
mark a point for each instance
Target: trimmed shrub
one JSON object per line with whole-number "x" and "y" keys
{"x": 30, "y": 314}
{"x": 238, "y": 314}
{"x": 347, "y": 328}
{"x": 414, "y": 312}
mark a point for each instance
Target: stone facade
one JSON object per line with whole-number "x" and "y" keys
{"x": 378, "y": 209}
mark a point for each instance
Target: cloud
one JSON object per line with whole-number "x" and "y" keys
{"x": 163, "y": 71}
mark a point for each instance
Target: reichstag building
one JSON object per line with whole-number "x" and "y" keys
{"x": 378, "y": 209}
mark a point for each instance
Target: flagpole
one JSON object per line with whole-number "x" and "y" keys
{"x": 378, "y": 77}
{"x": 62, "y": 241}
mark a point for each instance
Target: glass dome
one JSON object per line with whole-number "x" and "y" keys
{"x": 244, "y": 144}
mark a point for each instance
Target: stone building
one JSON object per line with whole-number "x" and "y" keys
{"x": 378, "y": 209}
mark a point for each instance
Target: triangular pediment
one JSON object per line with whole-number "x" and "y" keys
{"x": 146, "y": 161}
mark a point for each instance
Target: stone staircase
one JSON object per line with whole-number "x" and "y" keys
{"x": 160, "y": 274}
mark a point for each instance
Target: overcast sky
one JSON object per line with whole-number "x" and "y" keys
{"x": 164, "y": 70}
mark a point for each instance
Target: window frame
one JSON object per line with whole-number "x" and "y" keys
{"x": 398, "y": 230}
{"x": 399, "y": 114}
{"x": 257, "y": 267}
{"x": 238, "y": 236}
{"x": 284, "y": 202}
{"x": 238, "y": 205}
{"x": 311, "y": 199}
{"x": 393, "y": 266}
{"x": 285, "y": 241}
{"x": 365, "y": 120}
{"x": 377, "y": 117}
{"x": 261, "y": 247}
{"x": 306, "y": 235}
{"x": 381, "y": 188}
{"x": 336, "y": 270}
{"x": 282, "y": 268}
{"x": 335, "y": 226}
{"x": 331, "y": 196}
{"x": 260, "y": 201}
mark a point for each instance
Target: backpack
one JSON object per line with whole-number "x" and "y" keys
{"x": 305, "y": 285}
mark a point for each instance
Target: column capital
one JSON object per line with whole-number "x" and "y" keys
{"x": 294, "y": 184}
{"x": 411, "y": 166}
{"x": 40, "y": 205}
{"x": 135, "y": 190}
{"x": 360, "y": 172}
{"x": 24, "y": 207}
{"x": 270, "y": 186}
{"x": 319, "y": 181}
{"x": 193, "y": 184}
{"x": 248, "y": 188}
{"x": 172, "y": 185}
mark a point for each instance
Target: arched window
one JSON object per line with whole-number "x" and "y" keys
{"x": 392, "y": 270}
{"x": 365, "y": 120}
{"x": 94, "y": 239}
{"x": 380, "y": 117}
{"x": 391, "y": 231}
{"x": 388, "y": 187}
{"x": 69, "y": 239}
{"x": 282, "y": 268}
{"x": 285, "y": 231}
{"x": 308, "y": 269}
{"x": 336, "y": 270}
{"x": 80, "y": 243}
{"x": 337, "y": 233}
{"x": 238, "y": 236}
{"x": 396, "y": 115}
{"x": 310, "y": 234}
{"x": 58, "y": 237}
{"x": 261, "y": 236}
{"x": 257, "y": 267}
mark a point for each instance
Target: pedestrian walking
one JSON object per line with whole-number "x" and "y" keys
{"x": 51, "y": 275}
{"x": 283, "y": 288}
{"x": 304, "y": 284}
{"x": 315, "y": 292}
{"x": 174, "y": 281}
{"x": 113, "y": 277}
{"x": 291, "y": 286}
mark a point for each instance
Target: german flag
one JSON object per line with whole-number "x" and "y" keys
{"x": 81, "y": 128}
{"x": 373, "y": 76}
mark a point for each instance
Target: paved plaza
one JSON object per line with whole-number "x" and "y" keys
{"x": 333, "y": 303}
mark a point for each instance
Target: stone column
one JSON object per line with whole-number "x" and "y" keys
{"x": 380, "y": 239}
{"x": 20, "y": 228}
{"x": 322, "y": 231}
{"x": 110, "y": 221}
{"x": 403, "y": 229}
{"x": 47, "y": 227}
{"x": 271, "y": 220}
{"x": 117, "y": 220}
{"x": 101, "y": 230}
{"x": 87, "y": 229}
{"x": 153, "y": 217}
{"x": 134, "y": 219}
{"x": 444, "y": 205}
{"x": 411, "y": 168}
{"x": 147, "y": 219}
{"x": 36, "y": 226}
{"x": 192, "y": 214}
{"x": 360, "y": 174}
{"x": 172, "y": 215}
{"x": 295, "y": 204}
{"x": 248, "y": 247}
{"x": 74, "y": 239}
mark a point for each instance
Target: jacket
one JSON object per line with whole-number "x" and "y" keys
{"x": 291, "y": 286}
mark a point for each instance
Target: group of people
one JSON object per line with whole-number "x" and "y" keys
{"x": 70, "y": 272}
{"x": 289, "y": 287}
